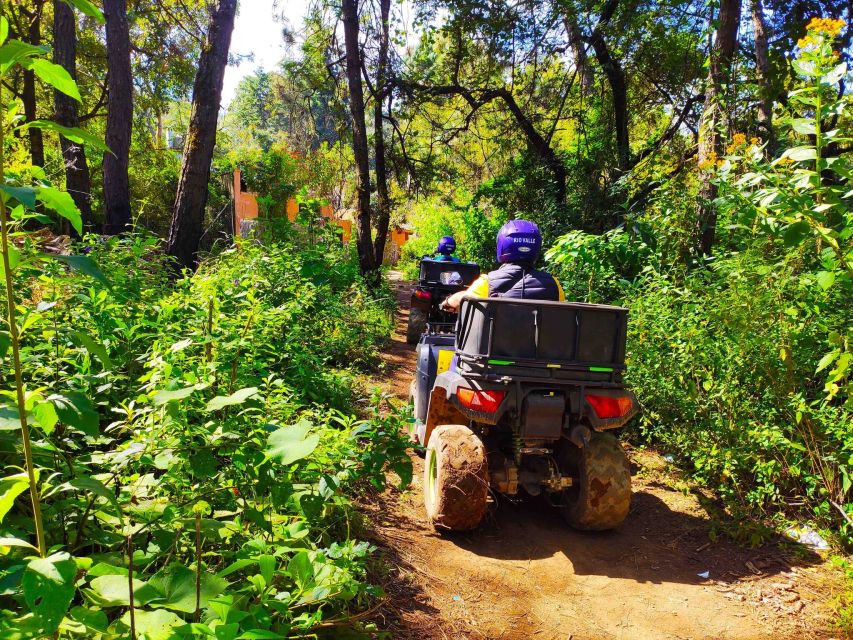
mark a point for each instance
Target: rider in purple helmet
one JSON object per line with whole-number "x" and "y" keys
{"x": 519, "y": 243}
{"x": 446, "y": 247}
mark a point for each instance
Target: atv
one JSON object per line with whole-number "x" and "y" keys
{"x": 438, "y": 280}
{"x": 522, "y": 398}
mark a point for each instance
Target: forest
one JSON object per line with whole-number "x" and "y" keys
{"x": 189, "y": 420}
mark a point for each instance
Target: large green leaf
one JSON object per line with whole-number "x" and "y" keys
{"x": 238, "y": 397}
{"x": 10, "y": 419}
{"x": 87, "y": 8}
{"x": 77, "y": 411}
{"x": 7, "y": 541}
{"x": 154, "y": 625}
{"x": 96, "y": 349}
{"x": 800, "y": 154}
{"x": 10, "y": 488}
{"x": 93, "y": 620}
{"x": 16, "y": 51}
{"x": 74, "y": 134}
{"x": 267, "y": 563}
{"x": 48, "y": 586}
{"x": 4, "y": 29}
{"x": 289, "y": 444}
{"x": 14, "y": 259}
{"x": 164, "y": 396}
{"x": 25, "y": 195}
{"x": 177, "y": 585}
{"x": 5, "y": 343}
{"x": 63, "y": 204}
{"x": 83, "y": 264}
{"x": 56, "y": 76}
{"x": 96, "y": 487}
{"x": 301, "y": 569}
{"x": 46, "y": 416}
{"x": 113, "y": 591}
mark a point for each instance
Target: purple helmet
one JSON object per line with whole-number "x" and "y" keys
{"x": 519, "y": 241}
{"x": 446, "y": 246}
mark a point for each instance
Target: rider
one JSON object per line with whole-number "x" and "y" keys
{"x": 518, "y": 245}
{"x": 446, "y": 247}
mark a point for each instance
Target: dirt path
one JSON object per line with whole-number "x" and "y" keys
{"x": 525, "y": 574}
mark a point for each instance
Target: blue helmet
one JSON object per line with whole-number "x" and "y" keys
{"x": 446, "y": 246}
{"x": 519, "y": 241}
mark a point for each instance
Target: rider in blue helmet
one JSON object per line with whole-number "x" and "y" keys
{"x": 519, "y": 244}
{"x": 445, "y": 249}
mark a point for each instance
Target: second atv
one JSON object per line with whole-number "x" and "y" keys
{"x": 438, "y": 280}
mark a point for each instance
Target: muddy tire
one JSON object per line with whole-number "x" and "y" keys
{"x": 601, "y": 496}
{"x": 455, "y": 481}
{"x": 417, "y": 325}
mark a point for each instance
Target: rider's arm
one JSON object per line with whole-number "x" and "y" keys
{"x": 479, "y": 288}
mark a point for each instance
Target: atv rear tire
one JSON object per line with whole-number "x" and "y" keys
{"x": 601, "y": 496}
{"x": 417, "y": 325}
{"x": 455, "y": 481}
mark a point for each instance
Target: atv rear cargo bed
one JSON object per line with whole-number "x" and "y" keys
{"x": 539, "y": 339}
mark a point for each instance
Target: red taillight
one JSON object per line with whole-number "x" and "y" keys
{"x": 610, "y": 406}
{"x": 485, "y": 401}
{"x": 420, "y": 294}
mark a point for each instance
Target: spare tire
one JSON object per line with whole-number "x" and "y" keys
{"x": 456, "y": 485}
{"x": 601, "y": 495}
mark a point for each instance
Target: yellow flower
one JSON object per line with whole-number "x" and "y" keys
{"x": 708, "y": 162}
{"x": 754, "y": 141}
{"x": 807, "y": 42}
{"x": 827, "y": 26}
{"x": 720, "y": 164}
{"x": 738, "y": 141}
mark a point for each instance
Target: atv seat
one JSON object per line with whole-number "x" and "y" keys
{"x": 541, "y": 339}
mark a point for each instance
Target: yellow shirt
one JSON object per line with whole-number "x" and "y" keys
{"x": 480, "y": 288}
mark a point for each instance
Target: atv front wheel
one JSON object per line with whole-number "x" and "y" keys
{"x": 455, "y": 481}
{"x": 417, "y": 325}
{"x": 601, "y": 495}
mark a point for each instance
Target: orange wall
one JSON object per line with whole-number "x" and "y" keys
{"x": 246, "y": 208}
{"x": 292, "y": 209}
{"x": 400, "y": 236}
{"x": 245, "y": 204}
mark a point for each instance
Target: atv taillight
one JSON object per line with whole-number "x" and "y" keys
{"x": 610, "y": 406}
{"x": 485, "y": 401}
{"x": 420, "y": 294}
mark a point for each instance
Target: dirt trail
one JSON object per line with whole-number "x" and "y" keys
{"x": 525, "y": 574}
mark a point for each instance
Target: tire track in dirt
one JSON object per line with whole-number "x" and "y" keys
{"x": 525, "y": 574}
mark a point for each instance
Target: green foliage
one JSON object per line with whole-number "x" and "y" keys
{"x": 596, "y": 268}
{"x": 742, "y": 366}
{"x": 190, "y": 446}
{"x": 238, "y": 369}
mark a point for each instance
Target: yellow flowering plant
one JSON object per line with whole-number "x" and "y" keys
{"x": 802, "y": 197}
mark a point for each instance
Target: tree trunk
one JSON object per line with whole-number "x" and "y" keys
{"x": 119, "y": 118}
{"x": 77, "y": 180}
{"x": 576, "y": 44}
{"x": 383, "y": 202}
{"x": 28, "y": 92}
{"x": 710, "y": 141}
{"x": 762, "y": 67}
{"x": 619, "y": 90}
{"x": 349, "y": 12}
{"x": 186, "y": 229}
{"x": 538, "y": 144}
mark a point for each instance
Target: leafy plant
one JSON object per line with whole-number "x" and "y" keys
{"x": 190, "y": 448}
